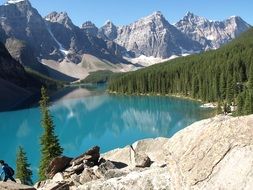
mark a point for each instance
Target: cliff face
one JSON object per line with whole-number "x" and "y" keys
{"x": 216, "y": 153}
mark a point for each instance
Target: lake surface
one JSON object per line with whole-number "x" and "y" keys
{"x": 87, "y": 117}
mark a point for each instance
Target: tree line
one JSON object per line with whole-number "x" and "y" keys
{"x": 224, "y": 75}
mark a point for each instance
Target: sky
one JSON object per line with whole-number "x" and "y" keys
{"x": 123, "y": 12}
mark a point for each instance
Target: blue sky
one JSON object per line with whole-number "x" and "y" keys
{"x": 123, "y": 12}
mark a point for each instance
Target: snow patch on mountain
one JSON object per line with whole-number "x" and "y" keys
{"x": 145, "y": 61}
{"x": 13, "y": 1}
{"x": 61, "y": 48}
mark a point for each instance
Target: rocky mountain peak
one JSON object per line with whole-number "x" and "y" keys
{"x": 18, "y": 8}
{"x": 211, "y": 34}
{"x": 193, "y": 19}
{"x": 108, "y": 31}
{"x": 61, "y": 18}
{"x": 90, "y": 28}
{"x": 237, "y": 20}
{"x": 88, "y": 24}
{"x": 155, "y": 17}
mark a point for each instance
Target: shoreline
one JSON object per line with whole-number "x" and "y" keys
{"x": 212, "y": 105}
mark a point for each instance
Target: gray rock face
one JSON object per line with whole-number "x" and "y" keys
{"x": 211, "y": 34}
{"x": 21, "y": 21}
{"x": 24, "y": 54}
{"x": 142, "y": 160}
{"x": 80, "y": 41}
{"x": 153, "y": 36}
{"x": 109, "y": 31}
{"x": 90, "y": 28}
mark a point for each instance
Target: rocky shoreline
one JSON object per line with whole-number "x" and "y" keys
{"x": 215, "y": 153}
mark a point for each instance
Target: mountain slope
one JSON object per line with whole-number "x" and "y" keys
{"x": 221, "y": 75}
{"x": 78, "y": 41}
{"x": 15, "y": 83}
{"x": 21, "y": 21}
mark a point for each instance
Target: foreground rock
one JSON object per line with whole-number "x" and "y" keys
{"x": 216, "y": 153}
{"x": 14, "y": 186}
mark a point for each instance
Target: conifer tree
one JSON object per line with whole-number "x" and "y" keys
{"x": 229, "y": 89}
{"x": 248, "y": 105}
{"x": 50, "y": 146}
{"x": 24, "y": 173}
{"x": 219, "y": 109}
{"x": 240, "y": 104}
{"x": 250, "y": 80}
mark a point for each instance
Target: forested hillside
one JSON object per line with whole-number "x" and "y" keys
{"x": 223, "y": 75}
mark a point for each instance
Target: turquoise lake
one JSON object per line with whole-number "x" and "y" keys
{"x": 85, "y": 117}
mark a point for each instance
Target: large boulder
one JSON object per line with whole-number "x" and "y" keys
{"x": 58, "y": 164}
{"x": 104, "y": 167}
{"x": 92, "y": 155}
{"x": 142, "y": 160}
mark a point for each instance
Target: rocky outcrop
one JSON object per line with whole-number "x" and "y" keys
{"x": 215, "y": 153}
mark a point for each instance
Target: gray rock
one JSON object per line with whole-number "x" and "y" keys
{"x": 142, "y": 160}
{"x": 58, "y": 177}
{"x": 87, "y": 175}
{"x": 75, "y": 169}
{"x": 104, "y": 167}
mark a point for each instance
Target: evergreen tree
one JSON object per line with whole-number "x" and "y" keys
{"x": 50, "y": 146}
{"x": 240, "y": 104}
{"x": 219, "y": 109}
{"x": 229, "y": 89}
{"x": 250, "y": 80}
{"x": 24, "y": 173}
{"x": 248, "y": 105}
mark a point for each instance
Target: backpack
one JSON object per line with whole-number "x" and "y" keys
{"x": 11, "y": 171}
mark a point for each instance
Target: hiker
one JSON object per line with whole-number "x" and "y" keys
{"x": 7, "y": 170}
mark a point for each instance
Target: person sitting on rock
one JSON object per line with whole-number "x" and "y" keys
{"x": 7, "y": 171}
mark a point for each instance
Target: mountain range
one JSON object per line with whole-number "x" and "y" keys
{"x": 57, "y": 48}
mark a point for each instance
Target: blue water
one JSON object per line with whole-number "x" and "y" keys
{"x": 84, "y": 118}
